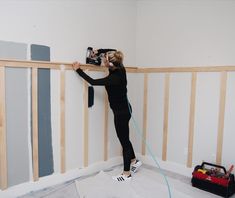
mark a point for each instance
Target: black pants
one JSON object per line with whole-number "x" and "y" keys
{"x": 121, "y": 122}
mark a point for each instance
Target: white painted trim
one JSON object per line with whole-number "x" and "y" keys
{"x": 58, "y": 178}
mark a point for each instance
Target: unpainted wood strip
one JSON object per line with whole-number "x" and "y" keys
{"x": 3, "y": 144}
{"x": 145, "y": 106}
{"x": 130, "y": 69}
{"x": 85, "y": 117}
{"x": 223, "y": 86}
{"x": 54, "y": 65}
{"x": 35, "y": 123}
{"x": 165, "y": 121}
{"x": 191, "y": 119}
{"x": 62, "y": 121}
{"x": 185, "y": 69}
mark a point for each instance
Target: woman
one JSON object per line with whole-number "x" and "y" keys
{"x": 116, "y": 86}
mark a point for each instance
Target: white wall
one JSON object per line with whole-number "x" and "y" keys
{"x": 150, "y": 33}
{"x": 68, "y": 27}
{"x": 188, "y": 33}
{"x": 185, "y": 32}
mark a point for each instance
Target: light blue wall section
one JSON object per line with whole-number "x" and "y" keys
{"x": 42, "y": 53}
{"x": 17, "y": 118}
{"x": 12, "y": 50}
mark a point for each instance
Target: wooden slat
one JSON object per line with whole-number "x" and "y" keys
{"x": 223, "y": 85}
{"x": 85, "y": 117}
{"x": 62, "y": 120}
{"x": 37, "y": 64}
{"x": 145, "y": 106}
{"x": 106, "y": 112}
{"x": 186, "y": 69}
{"x": 191, "y": 119}
{"x": 3, "y": 146}
{"x": 54, "y": 65}
{"x": 35, "y": 122}
{"x": 166, "y": 111}
{"x": 131, "y": 69}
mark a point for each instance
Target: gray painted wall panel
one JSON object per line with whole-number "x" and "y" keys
{"x": 17, "y": 108}
{"x": 12, "y": 50}
{"x": 42, "y": 53}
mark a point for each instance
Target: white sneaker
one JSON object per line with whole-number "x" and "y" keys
{"x": 122, "y": 178}
{"x": 136, "y": 166}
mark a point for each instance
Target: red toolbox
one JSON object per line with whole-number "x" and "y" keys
{"x": 214, "y": 178}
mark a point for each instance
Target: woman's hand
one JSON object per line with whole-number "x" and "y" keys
{"x": 76, "y": 65}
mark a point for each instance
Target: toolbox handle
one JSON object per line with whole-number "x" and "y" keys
{"x": 215, "y": 165}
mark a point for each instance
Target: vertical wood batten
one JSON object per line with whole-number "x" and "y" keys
{"x": 191, "y": 119}
{"x": 85, "y": 117}
{"x": 166, "y": 112}
{"x": 145, "y": 106}
{"x": 62, "y": 119}
{"x": 3, "y": 145}
{"x": 35, "y": 122}
{"x": 223, "y": 85}
{"x": 106, "y": 112}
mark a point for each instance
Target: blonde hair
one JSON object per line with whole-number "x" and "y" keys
{"x": 115, "y": 57}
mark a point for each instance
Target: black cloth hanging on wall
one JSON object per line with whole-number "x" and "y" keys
{"x": 90, "y": 96}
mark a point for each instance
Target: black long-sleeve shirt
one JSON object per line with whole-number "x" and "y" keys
{"x": 115, "y": 84}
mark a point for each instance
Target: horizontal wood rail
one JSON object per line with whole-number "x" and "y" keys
{"x": 53, "y": 65}
{"x": 3, "y": 135}
{"x": 186, "y": 69}
{"x": 130, "y": 69}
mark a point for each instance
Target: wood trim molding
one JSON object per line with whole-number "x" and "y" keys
{"x": 3, "y": 143}
{"x": 35, "y": 123}
{"x": 166, "y": 112}
{"x": 223, "y": 86}
{"x": 62, "y": 122}
{"x": 191, "y": 119}
{"x": 145, "y": 109}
